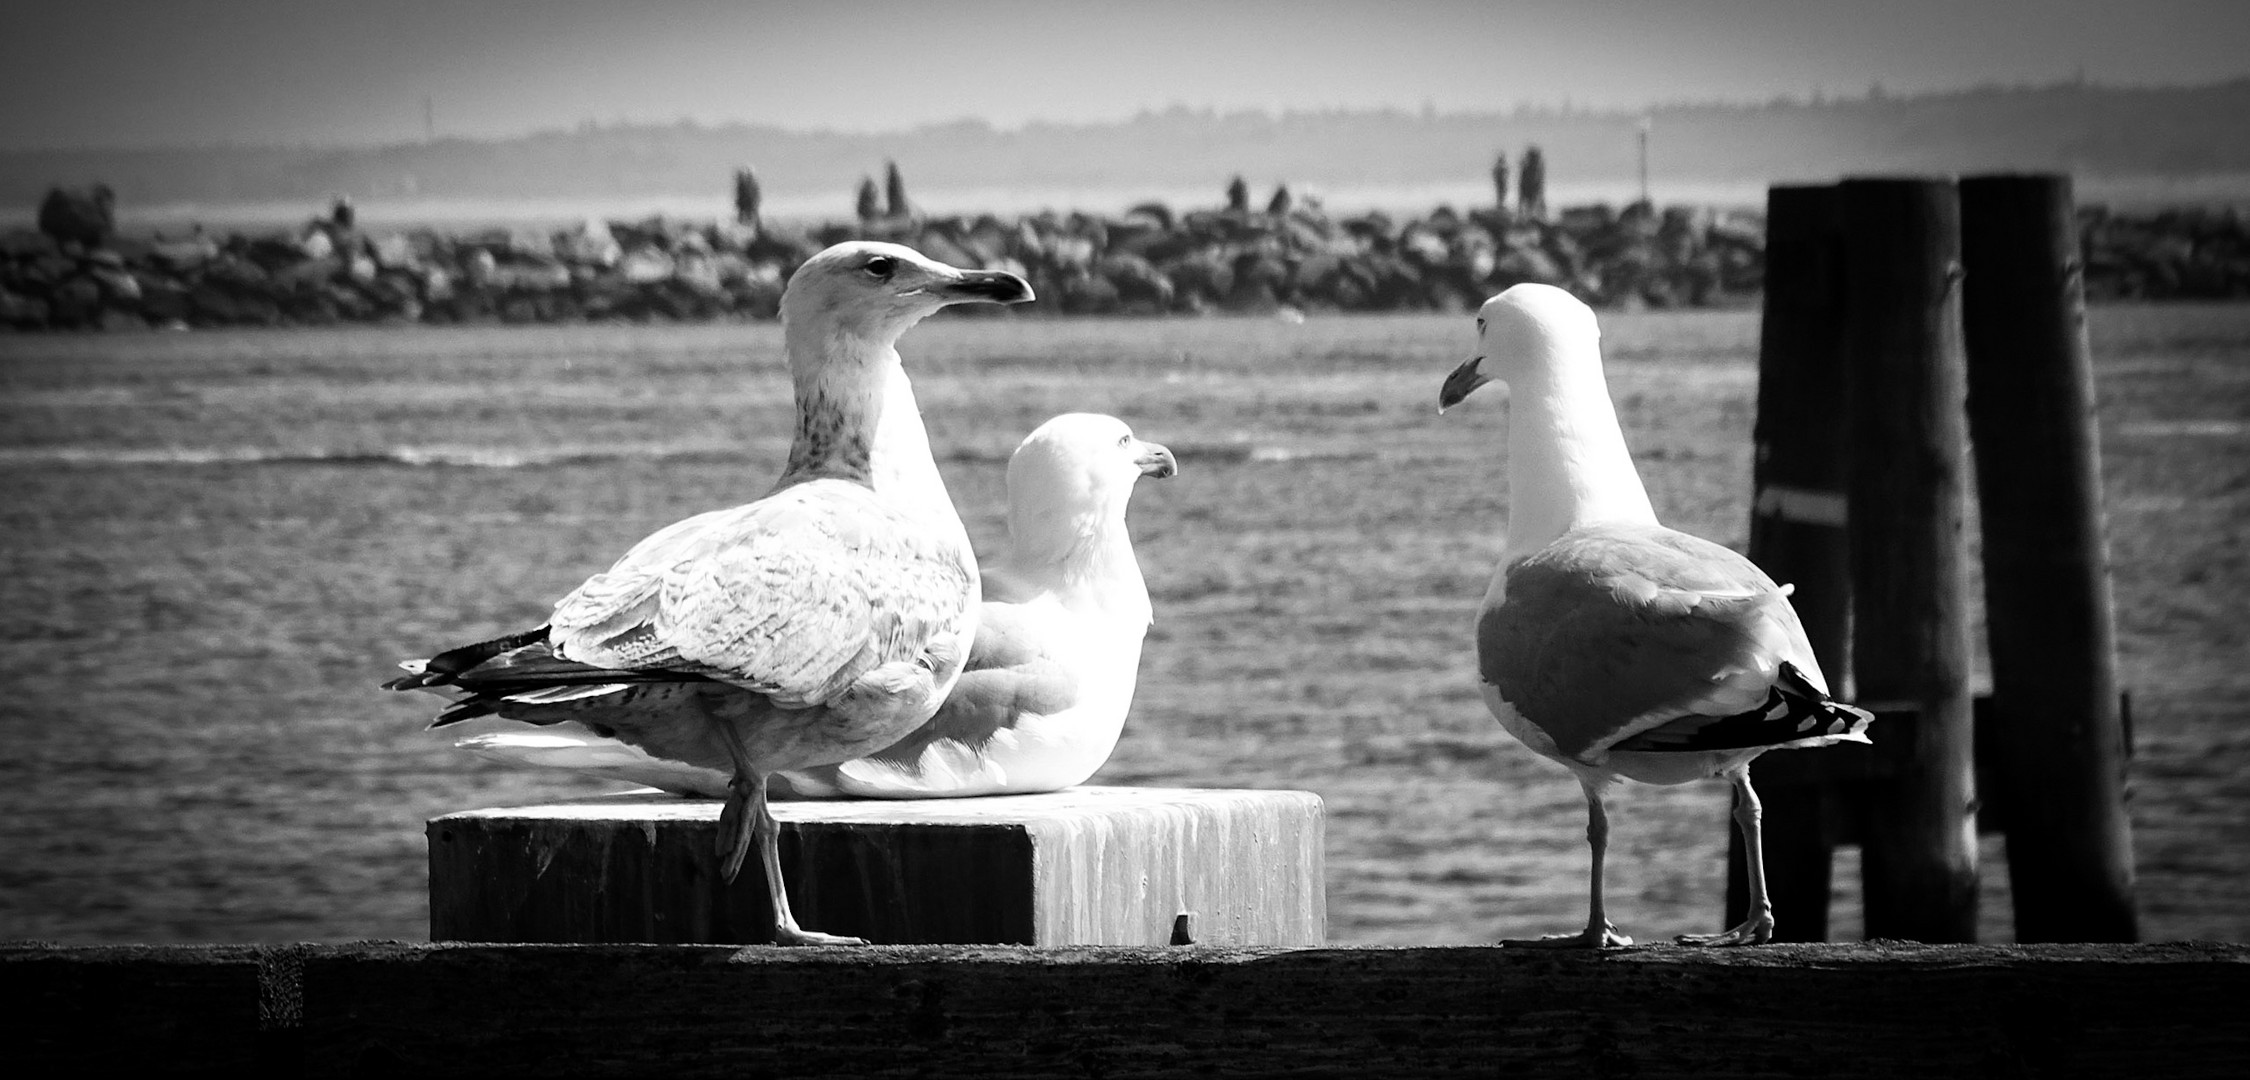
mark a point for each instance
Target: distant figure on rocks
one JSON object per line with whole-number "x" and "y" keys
{"x": 1155, "y": 211}
{"x": 1238, "y": 196}
{"x": 1281, "y": 202}
{"x": 341, "y": 214}
{"x": 87, "y": 216}
{"x": 1500, "y": 180}
{"x": 894, "y": 192}
{"x": 869, "y": 207}
{"x": 746, "y": 197}
{"x": 1531, "y": 187}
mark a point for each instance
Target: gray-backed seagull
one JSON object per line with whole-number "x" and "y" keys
{"x": 1608, "y": 642}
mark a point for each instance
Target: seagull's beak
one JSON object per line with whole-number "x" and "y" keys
{"x": 991, "y": 286}
{"x": 1461, "y": 383}
{"x": 1155, "y": 461}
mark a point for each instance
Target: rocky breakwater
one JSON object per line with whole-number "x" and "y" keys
{"x": 1148, "y": 261}
{"x": 327, "y": 273}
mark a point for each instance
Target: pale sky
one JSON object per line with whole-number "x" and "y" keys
{"x": 263, "y": 72}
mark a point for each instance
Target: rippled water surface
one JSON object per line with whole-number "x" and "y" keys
{"x": 216, "y": 544}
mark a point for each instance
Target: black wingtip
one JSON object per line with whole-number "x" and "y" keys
{"x": 1796, "y": 713}
{"x": 443, "y": 668}
{"x": 1793, "y": 679}
{"x": 467, "y": 710}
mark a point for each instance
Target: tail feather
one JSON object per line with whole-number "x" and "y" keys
{"x": 521, "y": 668}
{"x": 1796, "y": 714}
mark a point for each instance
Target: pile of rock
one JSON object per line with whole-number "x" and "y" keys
{"x": 331, "y": 273}
{"x": 2171, "y": 254}
{"x": 1147, "y": 261}
{"x": 1150, "y": 262}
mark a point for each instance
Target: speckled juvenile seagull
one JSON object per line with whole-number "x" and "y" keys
{"x": 819, "y": 623}
{"x": 1050, "y": 678}
{"x": 1608, "y": 642}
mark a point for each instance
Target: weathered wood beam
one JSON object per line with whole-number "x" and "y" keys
{"x": 1882, "y": 1009}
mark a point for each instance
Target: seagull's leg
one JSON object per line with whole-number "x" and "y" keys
{"x": 746, "y": 797}
{"x": 1749, "y": 816}
{"x": 785, "y": 928}
{"x": 746, "y": 818}
{"x": 1599, "y": 934}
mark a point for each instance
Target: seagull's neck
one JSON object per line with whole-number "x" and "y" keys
{"x": 1086, "y": 557}
{"x": 840, "y": 383}
{"x": 862, "y": 424}
{"x": 1567, "y": 463}
{"x": 904, "y": 471}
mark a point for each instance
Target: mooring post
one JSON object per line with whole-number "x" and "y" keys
{"x": 1908, "y": 469}
{"x": 2050, "y": 621}
{"x": 1797, "y": 519}
{"x": 1082, "y": 866}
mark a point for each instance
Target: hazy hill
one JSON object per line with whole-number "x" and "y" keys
{"x": 2092, "y": 131}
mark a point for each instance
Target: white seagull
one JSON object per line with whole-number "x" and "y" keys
{"x": 1058, "y": 650}
{"x": 817, "y": 624}
{"x": 1608, "y": 642}
{"x": 1051, "y": 675}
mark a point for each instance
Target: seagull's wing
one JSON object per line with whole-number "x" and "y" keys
{"x": 965, "y": 749}
{"x": 1009, "y": 676}
{"x": 794, "y": 596}
{"x": 1612, "y": 632}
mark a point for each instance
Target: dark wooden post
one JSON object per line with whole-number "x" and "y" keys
{"x": 1799, "y": 476}
{"x": 1797, "y": 532}
{"x": 1908, "y": 484}
{"x": 2050, "y": 621}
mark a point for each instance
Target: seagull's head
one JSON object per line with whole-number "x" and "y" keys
{"x": 873, "y": 290}
{"x": 1520, "y": 331}
{"x": 1082, "y": 463}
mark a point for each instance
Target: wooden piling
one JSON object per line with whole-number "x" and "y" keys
{"x": 1797, "y": 529}
{"x": 1908, "y": 497}
{"x": 1084, "y": 866}
{"x": 2050, "y": 619}
{"x": 1798, "y": 475}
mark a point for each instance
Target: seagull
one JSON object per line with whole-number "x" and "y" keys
{"x": 1058, "y": 649}
{"x": 817, "y": 624}
{"x": 1049, "y": 679}
{"x": 1608, "y": 642}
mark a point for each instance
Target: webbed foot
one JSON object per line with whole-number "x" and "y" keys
{"x": 1757, "y": 930}
{"x": 790, "y": 935}
{"x": 1605, "y": 936}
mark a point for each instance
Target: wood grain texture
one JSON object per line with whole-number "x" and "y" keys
{"x": 2051, "y": 621}
{"x": 1909, "y": 477}
{"x": 128, "y": 1009}
{"x": 1872, "y": 1010}
{"x": 1086, "y": 866}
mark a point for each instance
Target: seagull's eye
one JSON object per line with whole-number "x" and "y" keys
{"x": 1480, "y": 326}
{"x": 881, "y": 267}
{"x": 1124, "y": 441}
